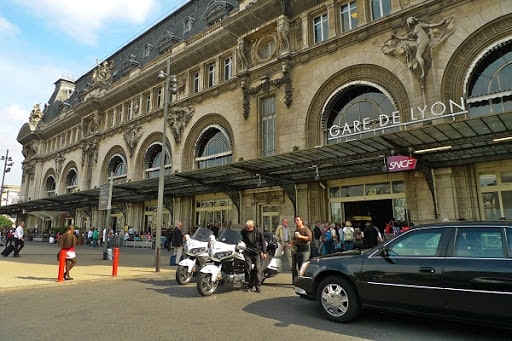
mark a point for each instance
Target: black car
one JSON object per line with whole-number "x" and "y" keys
{"x": 459, "y": 270}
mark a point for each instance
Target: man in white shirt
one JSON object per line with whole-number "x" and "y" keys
{"x": 284, "y": 238}
{"x": 19, "y": 242}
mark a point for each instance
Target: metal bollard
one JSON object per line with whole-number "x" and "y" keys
{"x": 115, "y": 261}
{"x": 62, "y": 263}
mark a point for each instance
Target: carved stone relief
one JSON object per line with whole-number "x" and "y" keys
{"x": 414, "y": 43}
{"x": 131, "y": 136}
{"x": 178, "y": 119}
{"x": 283, "y": 35}
{"x": 59, "y": 161}
{"x": 90, "y": 148}
{"x": 36, "y": 115}
{"x": 90, "y": 124}
{"x": 265, "y": 86}
{"x": 102, "y": 75}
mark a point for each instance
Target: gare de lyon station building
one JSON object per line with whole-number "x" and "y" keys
{"x": 331, "y": 110}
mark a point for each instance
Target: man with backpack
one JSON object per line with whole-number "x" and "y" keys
{"x": 348, "y": 236}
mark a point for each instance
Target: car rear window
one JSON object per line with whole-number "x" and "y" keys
{"x": 479, "y": 243}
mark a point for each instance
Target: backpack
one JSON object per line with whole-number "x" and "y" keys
{"x": 328, "y": 235}
{"x": 349, "y": 235}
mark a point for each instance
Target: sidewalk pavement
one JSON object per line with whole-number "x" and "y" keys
{"x": 38, "y": 266}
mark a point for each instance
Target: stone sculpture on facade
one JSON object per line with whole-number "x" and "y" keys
{"x": 102, "y": 75}
{"x": 36, "y": 115}
{"x": 417, "y": 43}
{"x": 59, "y": 161}
{"x": 90, "y": 149}
{"x": 178, "y": 119}
{"x": 132, "y": 136}
{"x": 283, "y": 32}
{"x": 242, "y": 57}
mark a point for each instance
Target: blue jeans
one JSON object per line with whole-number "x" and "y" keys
{"x": 298, "y": 258}
{"x": 349, "y": 245}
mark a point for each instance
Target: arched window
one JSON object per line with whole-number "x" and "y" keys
{"x": 117, "y": 165}
{"x": 50, "y": 186}
{"x": 490, "y": 84}
{"x": 213, "y": 148}
{"x": 356, "y": 110}
{"x": 152, "y": 161}
{"x": 71, "y": 181}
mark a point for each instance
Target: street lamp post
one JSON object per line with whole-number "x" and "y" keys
{"x": 170, "y": 88}
{"x": 7, "y": 168}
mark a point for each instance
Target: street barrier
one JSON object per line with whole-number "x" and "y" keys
{"x": 62, "y": 262}
{"x": 115, "y": 261}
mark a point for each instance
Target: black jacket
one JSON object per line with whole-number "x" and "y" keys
{"x": 177, "y": 237}
{"x": 254, "y": 242}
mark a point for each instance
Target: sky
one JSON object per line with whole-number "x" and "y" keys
{"x": 44, "y": 40}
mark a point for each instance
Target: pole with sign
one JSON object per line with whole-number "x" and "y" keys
{"x": 105, "y": 203}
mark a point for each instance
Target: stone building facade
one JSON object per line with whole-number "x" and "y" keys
{"x": 284, "y": 108}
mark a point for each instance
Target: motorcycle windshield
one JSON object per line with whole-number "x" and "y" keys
{"x": 202, "y": 234}
{"x": 230, "y": 237}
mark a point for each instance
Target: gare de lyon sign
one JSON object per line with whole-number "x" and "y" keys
{"x": 435, "y": 111}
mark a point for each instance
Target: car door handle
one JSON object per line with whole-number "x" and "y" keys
{"x": 426, "y": 269}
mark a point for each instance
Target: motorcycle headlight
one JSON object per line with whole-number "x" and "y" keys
{"x": 303, "y": 268}
{"x": 198, "y": 250}
{"x": 223, "y": 254}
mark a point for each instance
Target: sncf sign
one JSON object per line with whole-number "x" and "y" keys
{"x": 400, "y": 163}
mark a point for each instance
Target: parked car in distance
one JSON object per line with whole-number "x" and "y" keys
{"x": 460, "y": 271}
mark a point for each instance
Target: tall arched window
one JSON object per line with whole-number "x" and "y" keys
{"x": 117, "y": 165}
{"x": 213, "y": 148}
{"x": 152, "y": 161}
{"x": 356, "y": 110}
{"x": 490, "y": 84}
{"x": 50, "y": 186}
{"x": 71, "y": 181}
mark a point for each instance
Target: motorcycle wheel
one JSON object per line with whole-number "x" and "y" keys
{"x": 204, "y": 284}
{"x": 182, "y": 275}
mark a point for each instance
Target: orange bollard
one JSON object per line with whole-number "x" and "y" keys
{"x": 62, "y": 263}
{"x": 115, "y": 261}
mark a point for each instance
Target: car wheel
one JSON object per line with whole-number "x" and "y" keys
{"x": 182, "y": 275}
{"x": 338, "y": 299}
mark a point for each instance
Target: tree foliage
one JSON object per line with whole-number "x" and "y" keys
{"x": 5, "y": 221}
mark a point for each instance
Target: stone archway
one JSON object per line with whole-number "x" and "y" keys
{"x": 365, "y": 72}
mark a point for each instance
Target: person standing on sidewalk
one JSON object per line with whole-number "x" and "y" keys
{"x": 67, "y": 242}
{"x": 284, "y": 238}
{"x": 19, "y": 242}
{"x": 177, "y": 241}
{"x": 95, "y": 237}
{"x": 301, "y": 245}
{"x": 255, "y": 253}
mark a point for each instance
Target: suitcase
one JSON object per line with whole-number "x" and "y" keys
{"x": 7, "y": 251}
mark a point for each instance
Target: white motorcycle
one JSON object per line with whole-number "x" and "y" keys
{"x": 196, "y": 250}
{"x": 227, "y": 262}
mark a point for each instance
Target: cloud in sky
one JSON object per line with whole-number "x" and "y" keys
{"x": 83, "y": 20}
{"x": 43, "y": 40}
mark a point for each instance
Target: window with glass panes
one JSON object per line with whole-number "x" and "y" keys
{"x": 320, "y": 28}
{"x": 195, "y": 81}
{"x": 496, "y": 192}
{"x": 348, "y": 16}
{"x": 228, "y": 68}
{"x": 380, "y": 8}
{"x": 159, "y": 98}
{"x": 148, "y": 102}
{"x": 268, "y": 126}
{"x": 211, "y": 75}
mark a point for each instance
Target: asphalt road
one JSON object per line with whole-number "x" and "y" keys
{"x": 157, "y": 308}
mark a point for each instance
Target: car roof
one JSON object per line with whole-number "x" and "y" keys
{"x": 468, "y": 224}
